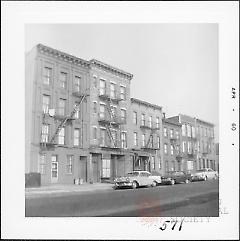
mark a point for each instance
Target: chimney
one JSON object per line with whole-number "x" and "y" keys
{"x": 164, "y": 115}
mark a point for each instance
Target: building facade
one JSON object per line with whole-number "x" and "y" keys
{"x": 172, "y": 141}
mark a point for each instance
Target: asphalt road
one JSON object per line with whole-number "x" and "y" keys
{"x": 193, "y": 199}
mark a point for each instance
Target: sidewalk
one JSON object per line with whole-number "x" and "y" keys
{"x": 65, "y": 189}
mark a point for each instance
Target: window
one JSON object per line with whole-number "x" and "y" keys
{"x": 45, "y": 133}
{"x": 76, "y": 116}
{"x": 184, "y": 146}
{"x": 135, "y": 138}
{"x": 153, "y": 163}
{"x": 113, "y": 111}
{"x": 171, "y": 149}
{"x": 188, "y": 130}
{"x": 166, "y": 166}
{"x": 61, "y": 137}
{"x": 165, "y": 131}
{"x": 94, "y": 107}
{"x": 76, "y": 137}
{"x": 124, "y": 139}
{"x": 95, "y": 81}
{"x": 177, "y": 135}
{"x": 77, "y": 83}
{"x": 205, "y": 131}
{"x": 143, "y": 119}
{"x": 102, "y": 87}
{"x": 183, "y": 130}
{"x": 173, "y": 165}
{"x": 198, "y": 146}
{"x": 158, "y": 142}
{"x": 157, "y": 123}
{"x": 47, "y": 76}
{"x": 150, "y": 121}
{"x": 70, "y": 159}
{"x": 105, "y": 168}
{"x": 189, "y": 146}
{"x": 63, "y": 80}
{"x": 42, "y": 164}
{"x": 54, "y": 167}
{"x": 123, "y": 115}
{"x": 143, "y": 140}
{"x": 171, "y": 133}
{"x": 114, "y": 136}
{"x": 62, "y": 107}
{"x": 159, "y": 164}
{"x": 102, "y": 137}
{"x": 95, "y": 133}
{"x": 193, "y": 132}
{"x": 135, "y": 117}
{"x": 45, "y": 103}
{"x": 102, "y": 110}
{"x": 112, "y": 90}
{"x": 122, "y": 93}
{"x": 165, "y": 148}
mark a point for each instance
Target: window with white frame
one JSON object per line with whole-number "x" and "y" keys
{"x": 171, "y": 133}
{"x": 102, "y": 88}
{"x": 188, "y": 130}
{"x": 112, "y": 90}
{"x": 45, "y": 133}
{"x": 189, "y": 146}
{"x": 135, "y": 138}
{"x": 143, "y": 119}
{"x": 122, "y": 93}
{"x": 47, "y": 75}
{"x": 76, "y": 116}
{"x": 165, "y": 132}
{"x": 124, "y": 139}
{"x": 157, "y": 122}
{"x": 102, "y": 110}
{"x": 193, "y": 132}
{"x": 69, "y": 167}
{"x": 76, "y": 137}
{"x": 158, "y": 142}
{"x": 143, "y": 140}
{"x": 114, "y": 111}
{"x": 165, "y": 148}
{"x": 95, "y": 81}
{"x": 183, "y": 130}
{"x": 114, "y": 136}
{"x": 171, "y": 149}
{"x": 42, "y": 164}
{"x": 94, "y": 107}
{"x": 61, "y": 136}
{"x": 105, "y": 168}
{"x": 63, "y": 80}
{"x": 94, "y": 133}
{"x": 159, "y": 164}
{"x": 45, "y": 103}
{"x": 135, "y": 117}
{"x": 62, "y": 107}
{"x": 177, "y": 135}
{"x": 123, "y": 115}
{"x": 184, "y": 146}
{"x": 150, "y": 121}
{"x": 153, "y": 163}
{"x": 198, "y": 146}
{"x": 102, "y": 137}
{"x": 205, "y": 131}
{"x": 77, "y": 83}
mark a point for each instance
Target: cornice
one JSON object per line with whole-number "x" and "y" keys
{"x": 108, "y": 68}
{"x": 141, "y": 102}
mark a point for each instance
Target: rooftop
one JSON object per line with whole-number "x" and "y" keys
{"x": 141, "y": 102}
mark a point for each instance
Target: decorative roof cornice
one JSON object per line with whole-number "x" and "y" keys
{"x": 63, "y": 56}
{"x": 167, "y": 121}
{"x": 111, "y": 69}
{"x": 204, "y": 122}
{"x": 141, "y": 102}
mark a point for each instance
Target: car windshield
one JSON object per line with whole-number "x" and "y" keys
{"x": 132, "y": 174}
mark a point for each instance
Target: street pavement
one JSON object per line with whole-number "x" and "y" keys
{"x": 193, "y": 199}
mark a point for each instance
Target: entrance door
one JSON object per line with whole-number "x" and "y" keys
{"x": 54, "y": 170}
{"x": 82, "y": 168}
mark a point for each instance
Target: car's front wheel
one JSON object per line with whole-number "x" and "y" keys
{"x": 172, "y": 182}
{"x": 186, "y": 181}
{"x": 134, "y": 185}
{"x": 205, "y": 178}
{"x": 154, "y": 184}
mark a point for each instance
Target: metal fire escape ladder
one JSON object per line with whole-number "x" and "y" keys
{"x": 111, "y": 118}
{"x": 150, "y": 138}
{"x": 64, "y": 121}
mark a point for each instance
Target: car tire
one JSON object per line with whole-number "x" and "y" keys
{"x": 186, "y": 181}
{"x": 172, "y": 182}
{"x": 134, "y": 185}
{"x": 154, "y": 184}
{"x": 205, "y": 178}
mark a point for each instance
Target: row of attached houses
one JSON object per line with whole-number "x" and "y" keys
{"x": 81, "y": 122}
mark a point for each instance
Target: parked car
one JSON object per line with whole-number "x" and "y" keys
{"x": 204, "y": 174}
{"x": 135, "y": 179}
{"x": 156, "y": 176}
{"x": 176, "y": 177}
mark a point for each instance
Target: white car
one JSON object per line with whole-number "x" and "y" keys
{"x": 136, "y": 179}
{"x": 204, "y": 174}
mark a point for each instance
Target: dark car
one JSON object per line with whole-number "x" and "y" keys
{"x": 176, "y": 177}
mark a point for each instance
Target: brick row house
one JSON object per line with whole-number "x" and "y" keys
{"x": 81, "y": 122}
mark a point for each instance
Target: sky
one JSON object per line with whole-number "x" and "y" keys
{"x": 173, "y": 65}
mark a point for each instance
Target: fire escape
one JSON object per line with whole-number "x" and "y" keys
{"x": 110, "y": 120}
{"x": 50, "y": 143}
